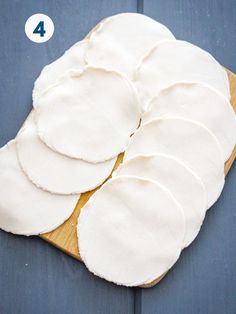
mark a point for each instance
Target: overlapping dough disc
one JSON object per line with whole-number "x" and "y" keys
{"x": 201, "y": 103}
{"x": 73, "y": 58}
{"x": 131, "y": 231}
{"x": 54, "y": 172}
{"x": 183, "y": 184}
{"x": 188, "y": 141}
{"x": 96, "y": 28}
{"x": 89, "y": 115}
{"x": 172, "y": 61}
{"x": 24, "y": 208}
{"x": 121, "y": 41}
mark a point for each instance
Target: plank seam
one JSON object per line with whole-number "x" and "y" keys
{"x": 137, "y": 301}
{"x": 140, "y": 6}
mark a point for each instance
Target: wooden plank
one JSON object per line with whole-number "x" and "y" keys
{"x": 34, "y": 276}
{"x": 202, "y": 281}
{"x": 65, "y": 237}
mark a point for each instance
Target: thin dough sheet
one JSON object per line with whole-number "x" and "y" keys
{"x": 122, "y": 40}
{"x": 54, "y": 172}
{"x": 73, "y": 58}
{"x": 173, "y": 61}
{"x": 131, "y": 231}
{"x": 186, "y": 187}
{"x": 89, "y": 115}
{"x": 200, "y": 103}
{"x": 24, "y": 208}
{"x": 187, "y": 141}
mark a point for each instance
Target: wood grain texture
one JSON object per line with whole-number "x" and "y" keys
{"x": 65, "y": 236}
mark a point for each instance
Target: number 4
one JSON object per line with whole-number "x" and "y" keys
{"x": 39, "y": 29}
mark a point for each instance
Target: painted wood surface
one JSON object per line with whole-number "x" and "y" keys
{"x": 37, "y": 278}
{"x": 208, "y": 285}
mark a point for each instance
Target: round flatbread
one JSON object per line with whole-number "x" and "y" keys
{"x": 200, "y": 103}
{"x": 172, "y": 61}
{"x": 186, "y": 187}
{"x": 96, "y": 28}
{"x": 25, "y": 209}
{"x": 89, "y": 115}
{"x": 188, "y": 141}
{"x": 131, "y": 231}
{"x": 73, "y": 58}
{"x": 122, "y": 40}
{"x": 54, "y": 172}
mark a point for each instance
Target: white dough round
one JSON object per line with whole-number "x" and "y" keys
{"x": 172, "y": 61}
{"x": 201, "y": 103}
{"x": 25, "y": 209}
{"x": 73, "y": 58}
{"x": 122, "y": 40}
{"x": 188, "y": 141}
{"x": 89, "y": 115}
{"x": 54, "y": 172}
{"x": 96, "y": 28}
{"x": 131, "y": 231}
{"x": 186, "y": 187}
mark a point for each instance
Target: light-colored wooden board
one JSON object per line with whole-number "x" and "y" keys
{"x": 65, "y": 237}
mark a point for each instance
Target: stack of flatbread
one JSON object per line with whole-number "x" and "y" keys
{"x": 129, "y": 87}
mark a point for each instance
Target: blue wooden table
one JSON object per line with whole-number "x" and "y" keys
{"x": 36, "y": 278}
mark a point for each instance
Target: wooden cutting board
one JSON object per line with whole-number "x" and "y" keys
{"x": 65, "y": 237}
